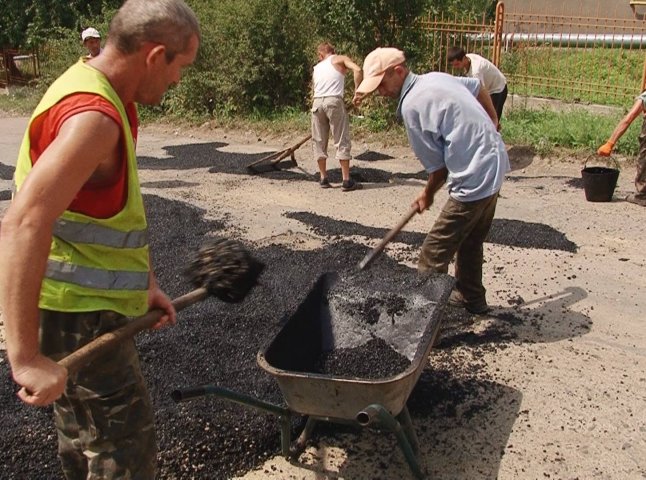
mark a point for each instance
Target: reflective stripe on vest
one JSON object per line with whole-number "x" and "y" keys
{"x": 96, "y": 278}
{"x": 79, "y": 232}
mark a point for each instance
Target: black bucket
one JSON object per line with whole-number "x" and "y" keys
{"x": 599, "y": 182}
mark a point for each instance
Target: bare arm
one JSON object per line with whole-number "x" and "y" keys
{"x": 25, "y": 240}
{"x": 625, "y": 122}
{"x": 344, "y": 63}
{"x": 435, "y": 181}
{"x": 485, "y": 100}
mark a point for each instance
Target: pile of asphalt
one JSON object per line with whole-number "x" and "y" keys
{"x": 215, "y": 343}
{"x": 369, "y": 309}
{"x": 375, "y": 359}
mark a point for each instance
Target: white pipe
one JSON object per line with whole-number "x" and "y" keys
{"x": 568, "y": 39}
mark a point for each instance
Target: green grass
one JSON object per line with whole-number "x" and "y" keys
{"x": 20, "y": 101}
{"x": 545, "y": 130}
{"x": 601, "y": 75}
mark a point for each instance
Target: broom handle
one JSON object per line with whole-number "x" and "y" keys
{"x": 101, "y": 344}
{"x": 291, "y": 150}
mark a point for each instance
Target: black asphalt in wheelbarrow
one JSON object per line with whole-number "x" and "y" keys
{"x": 328, "y": 319}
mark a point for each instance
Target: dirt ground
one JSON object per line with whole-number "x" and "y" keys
{"x": 568, "y": 383}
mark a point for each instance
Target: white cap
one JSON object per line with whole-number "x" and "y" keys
{"x": 90, "y": 33}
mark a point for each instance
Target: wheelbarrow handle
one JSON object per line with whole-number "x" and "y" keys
{"x": 367, "y": 260}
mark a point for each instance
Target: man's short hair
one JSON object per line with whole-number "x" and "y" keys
{"x": 171, "y": 23}
{"x": 325, "y": 48}
{"x": 455, "y": 53}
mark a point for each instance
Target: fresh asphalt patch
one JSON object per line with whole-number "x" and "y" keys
{"x": 511, "y": 233}
{"x": 6, "y": 171}
{"x": 216, "y": 343}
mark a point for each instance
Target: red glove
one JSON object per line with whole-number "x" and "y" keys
{"x": 606, "y": 149}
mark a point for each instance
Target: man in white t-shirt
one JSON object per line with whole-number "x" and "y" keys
{"x": 479, "y": 67}
{"x": 329, "y": 113}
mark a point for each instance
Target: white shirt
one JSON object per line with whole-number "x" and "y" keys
{"x": 492, "y": 78}
{"x": 328, "y": 81}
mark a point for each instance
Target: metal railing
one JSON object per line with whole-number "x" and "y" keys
{"x": 590, "y": 59}
{"x": 18, "y": 67}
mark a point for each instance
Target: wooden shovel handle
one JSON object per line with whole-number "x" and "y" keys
{"x": 90, "y": 351}
{"x": 367, "y": 260}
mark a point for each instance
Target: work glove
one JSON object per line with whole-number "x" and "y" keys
{"x": 606, "y": 149}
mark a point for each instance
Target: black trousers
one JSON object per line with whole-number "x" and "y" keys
{"x": 498, "y": 100}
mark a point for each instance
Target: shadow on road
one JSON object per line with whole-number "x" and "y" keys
{"x": 511, "y": 233}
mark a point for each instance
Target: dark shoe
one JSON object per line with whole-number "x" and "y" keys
{"x": 477, "y": 308}
{"x": 349, "y": 185}
{"x": 632, "y": 198}
{"x": 324, "y": 183}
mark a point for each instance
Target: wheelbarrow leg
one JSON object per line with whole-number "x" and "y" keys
{"x": 285, "y": 434}
{"x": 301, "y": 441}
{"x": 377, "y": 415}
{"x": 284, "y": 414}
{"x": 407, "y": 425}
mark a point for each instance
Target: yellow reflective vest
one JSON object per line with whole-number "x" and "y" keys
{"x": 94, "y": 263}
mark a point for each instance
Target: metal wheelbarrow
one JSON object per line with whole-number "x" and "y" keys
{"x": 327, "y": 320}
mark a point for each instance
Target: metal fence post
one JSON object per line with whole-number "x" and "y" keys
{"x": 5, "y": 62}
{"x": 497, "y": 36}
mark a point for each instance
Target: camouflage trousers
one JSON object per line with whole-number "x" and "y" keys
{"x": 104, "y": 420}
{"x": 640, "y": 177}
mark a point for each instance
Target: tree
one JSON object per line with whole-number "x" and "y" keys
{"x": 365, "y": 25}
{"x": 29, "y": 23}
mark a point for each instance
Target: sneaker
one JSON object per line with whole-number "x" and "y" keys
{"x": 349, "y": 185}
{"x": 457, "y": 300}
{"x": 324, "y": 183}
{"x": 632, "y": 198}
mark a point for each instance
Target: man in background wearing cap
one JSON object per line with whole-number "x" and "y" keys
{"x": 92, "y": 41}
{"x": 452, "y": 128}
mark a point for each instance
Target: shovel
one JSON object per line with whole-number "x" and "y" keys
{"x": 221, "y": 268}
{"x": 367, "y": 260}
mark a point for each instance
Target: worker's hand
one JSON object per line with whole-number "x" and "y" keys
{"x": 42, "y": 380}
{"x": 606, "y": 149}
{"x": 423, "y": 201}
{"x": 358, "y": 97}
{"x": 158, "y": 299}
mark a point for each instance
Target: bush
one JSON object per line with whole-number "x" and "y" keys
{"x": 252, "y": 57}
